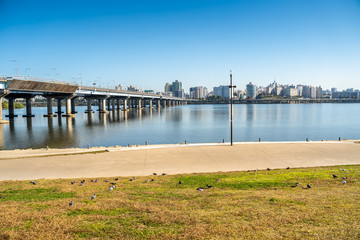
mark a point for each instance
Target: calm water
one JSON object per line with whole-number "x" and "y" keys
{"x": 194, "y": 123}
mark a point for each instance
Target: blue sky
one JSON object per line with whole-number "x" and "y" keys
{"x": 149, "y": 43}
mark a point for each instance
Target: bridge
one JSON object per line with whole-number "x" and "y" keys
{"x": 12, "y": 88}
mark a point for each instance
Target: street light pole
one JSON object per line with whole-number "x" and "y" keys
{"x": 231, "y": 108}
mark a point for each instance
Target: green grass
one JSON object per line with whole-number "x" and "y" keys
{"x": 241, "y": 205}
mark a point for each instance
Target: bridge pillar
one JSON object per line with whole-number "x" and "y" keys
{"x": 49, "y": 108}
{"x": 1, "y": 118}
{"x": 108, "y": 101}
{"x": 150, "y": 103}
{"x": 125, "y": 102}
{"x": 68, "y": 108}
{"x": 28, "y": 108}
{"x": 103, "y": 106}
{"x": 158, "y": 104}
{"x": 118, "y": 104}
{"x": 88, "y": 102}
{"x": 11, "y": 108}
{"x": 73, "y": 106}
{"x": 113, "y": 105}
{"x": 59, "y": 112}
{"x": 164, "y": 103}
{"x": 139, "y": 103}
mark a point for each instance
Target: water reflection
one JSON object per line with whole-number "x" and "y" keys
{"x": 201, "y": 123}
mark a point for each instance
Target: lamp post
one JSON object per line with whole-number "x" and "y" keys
{"x": 231, "y": 108}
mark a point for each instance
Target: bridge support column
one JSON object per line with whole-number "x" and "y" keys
{"x": 108, "y": 101}
{"x": 125, "y": 102}
{"x": 164, "y": 103}
{"x": 103, "y": 106}
{"x": 73, "y": 106}
{"x": 11, "y": 108}
{"x": 68, "y": 108}
{"x": 113, "y": 105}
{"x": 49, "y": 108}
{"x": 118, "y": 104}
{"x": 1, "y": 118}
{"x": 158, "y": 104}
{"x": 59, "y": 112}
{"x": 150, "y": 104}
{"x": 88, "y": 102}
{"x": 28, "y": 108}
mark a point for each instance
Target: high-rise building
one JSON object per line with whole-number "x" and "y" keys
{"x": 318, "y": 92}
{"x": 222, "y": 91}
{"x": 133, "y": 88}
{"x": 175, "y": 88}
{"x": 198, "y": 92}
{"x": 312, "y": 92}
{"x": 251, "y": 90}
{"x": 168, "y": 87}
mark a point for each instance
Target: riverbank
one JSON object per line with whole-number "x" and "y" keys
{"x": 173, "y": 159}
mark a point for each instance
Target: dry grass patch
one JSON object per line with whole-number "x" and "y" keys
{"x": 247, "y": 205}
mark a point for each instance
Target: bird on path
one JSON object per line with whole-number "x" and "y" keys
{"x": 334, "y": 176}
{"x": 154, "y": 173}
{"x": 33, "y": 182}
{"x": 308, "y": 185}
{"x": 71, "y": 204}
{"x": 163, "y": 174}
{"x": 93, "y": 197}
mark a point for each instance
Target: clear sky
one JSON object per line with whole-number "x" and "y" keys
{"x": 148, "y": 43}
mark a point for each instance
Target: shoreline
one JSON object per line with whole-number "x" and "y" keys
{"x": 174, "y": 159}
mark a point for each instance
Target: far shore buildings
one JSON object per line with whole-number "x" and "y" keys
{"x": 198, "y": 92}
{"x": 174, "y": 89}
{"x": 222, "y": 91}
{"x": 133, "y": 88}
{"x": 251, "y": 90}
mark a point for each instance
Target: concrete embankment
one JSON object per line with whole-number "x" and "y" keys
{"x": 173, "y": 159}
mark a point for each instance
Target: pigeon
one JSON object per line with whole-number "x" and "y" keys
{"x": 111, "y": 188}
{"x": 343, "y": 170}
{"x": 343, "y": 182}
{"x": 146, "y": 181}
{"x": 92, "y": 180}
{"x": 200, "y": 189}
{"x": 93, "y": 197}
{"x": 154, "y": 174}
{"x": 71, "y": 204}
{"x": 248, "y": 170}
{"x": 33, "y": 182}
{"x": 344, "y": 178}
{"x": 334, "y": 176}
{"x": 209, "y": 186}
{"x": 217, "y": 180}
{"x": 268, "y": 169}
{"x": 180, "y": 182}
{"x": 106, "y": 180}
{"x": 152, "y": 180}
{"x": 116, "y": 179}
{"x": 82, "y": 183}
{"x": 297, "y": 184}
{"x": 113, "y": 183}
{"x": 255, "y": 170}
{"x": 308, "y": 185}
{"x": 288, "y": 168}
{"x": 133, "y": 178}
{"x": 163, "y": 174}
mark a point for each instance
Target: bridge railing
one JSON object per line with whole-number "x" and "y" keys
{"x": 38, "y": 79}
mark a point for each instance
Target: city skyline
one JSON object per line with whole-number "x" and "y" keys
{"x": 149, "y": 44}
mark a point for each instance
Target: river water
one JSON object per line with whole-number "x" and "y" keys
{"x": 194, "y": 123}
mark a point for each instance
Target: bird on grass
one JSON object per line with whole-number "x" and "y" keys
{"x": 163, "y": 174}
{"x": 106, "y": 180}
{"x": 343, "y": 178}
{"x": 217, "y": 180}
{"x": 334, "y": 176}
{"x": 343, "y": 170}
{"x": 111, "y": 188}
{"x": 343, "y": 182}
{"x": 82, "y": 184}
{"x": 180, "y": 182}
{"x": 33, "y": 182}
{"x": 133, "y": 178}
{"x": 268, "y": 169}
{"x": 152, "y": 180}
{"x": 82, "y": 181}
{"x": 71, "y": 203}
{"x": 116, "y": 179}
{"x": 255, "y": 170}
{"x": 209, "y": 186}
{"x": 200, "y": 189}
{"x": 288, "y": 168}
{"x": 308, "y": 185}
{"x": 296, "y": 184}
{"x": 72, "y": 183}
{"x": 248, "y": 170}
{"x": 146, "y": 181}
{"x": 93, "y": 197}
{"x": 113, "y": 183}
{"x": 154, "y": 174}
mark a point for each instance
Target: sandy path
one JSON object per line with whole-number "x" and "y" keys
{"x": 174, "y": 160}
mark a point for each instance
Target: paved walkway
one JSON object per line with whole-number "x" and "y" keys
{"x": 174, "y": 159}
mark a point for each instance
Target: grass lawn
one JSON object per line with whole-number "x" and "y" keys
{"x": 240, "y": 205}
